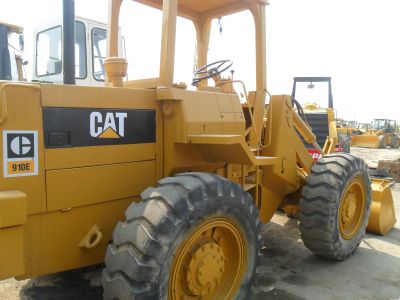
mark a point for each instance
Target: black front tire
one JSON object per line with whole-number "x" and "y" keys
{"x": 319, "y": 209}
{"x": 139, "y": 259}
{"x": 382, "y": 142}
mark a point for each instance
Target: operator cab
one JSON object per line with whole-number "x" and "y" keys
{"x": 210, "y": 63}
{"x": 90, "y": 52}
{"x": 213, "y": 27}
{"x": 388, "y": 126}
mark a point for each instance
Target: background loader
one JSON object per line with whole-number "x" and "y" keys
{"x": 11, "y": 49}
{"x": 322, "y": 120}
{"x": 361, "y": 128}
{"x": 382, "y": 133}
{"x": 171, "y": 183}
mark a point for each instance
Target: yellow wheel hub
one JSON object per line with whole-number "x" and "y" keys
{"x": 210, "y": 263}
{"x": 206, "y": 269}
{"x": 351, "y": 210}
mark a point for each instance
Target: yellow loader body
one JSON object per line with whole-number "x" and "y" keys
{"x": 383, "y": 133}
{"x": 80, "y": 167}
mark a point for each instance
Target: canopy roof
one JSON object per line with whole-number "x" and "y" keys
{"x": 198, "y": 9}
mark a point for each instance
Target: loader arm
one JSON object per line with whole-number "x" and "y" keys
{"x": 282, "y": 140}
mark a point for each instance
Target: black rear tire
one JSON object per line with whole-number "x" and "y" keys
{"x": 322, "y": 196}
{"x": 395, "y": 142}
{"x": 139, "y": 260}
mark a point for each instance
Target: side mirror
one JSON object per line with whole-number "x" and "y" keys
{"x": 21, "y": 42}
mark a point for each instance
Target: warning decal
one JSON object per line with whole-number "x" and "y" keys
{"x": 20, "y": 156}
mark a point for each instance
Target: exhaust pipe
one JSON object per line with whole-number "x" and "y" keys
{"x": 69, "y": 41}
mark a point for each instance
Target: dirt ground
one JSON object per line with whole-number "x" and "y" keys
{"x": 288, "y": 270}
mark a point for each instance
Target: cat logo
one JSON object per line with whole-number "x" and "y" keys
{"x": 20, "y": 153}
{"x": 109, "y": 125}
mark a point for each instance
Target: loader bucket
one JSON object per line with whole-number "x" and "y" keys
{"x": 382, "y": 217}
{"x": 367, "y": 141}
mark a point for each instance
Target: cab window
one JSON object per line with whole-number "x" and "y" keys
{"x": 80, "y": 51}
{"x": 48, "y": 52}
{"x": 99, "y": 47}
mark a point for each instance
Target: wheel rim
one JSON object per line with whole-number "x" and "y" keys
{"x": 210, "y": 263}
{"x": 351, "y": 210}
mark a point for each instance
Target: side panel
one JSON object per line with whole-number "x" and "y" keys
{"x": 87, "y": 176}
{"x": 100, "y": 149}
{"x": 53, "y": 238}
{"x": 24, "y": 114}
{"x": 75, "y": 187}
{"x": 12, "y": 255}
{"x": 22, "y": 191}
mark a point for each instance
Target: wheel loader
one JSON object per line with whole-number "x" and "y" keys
{"x": 322, "y": 120}
{"x": 383, "y": 132}
{"x": 362, "y": 128}
{"x": 348, "y": 128}
{"x": 168, "y": 185}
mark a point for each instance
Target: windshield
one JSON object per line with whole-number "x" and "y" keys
{"x": 316, "y": 92}
{"x": 364, "y": 126}
{"x": 379, "y": 124}
{"x": 352, "y": 124}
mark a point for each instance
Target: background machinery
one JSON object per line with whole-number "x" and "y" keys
{"x": 11, "y": 48}
{"x": 322, "y": 120}
{"x": 172, "y": 184}
{"x": 362, "y": 128}
{"x": 383, "y": 132}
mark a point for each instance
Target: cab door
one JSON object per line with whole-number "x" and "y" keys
{"x": 48, "y": 60}
{"x": 97, "y": 47}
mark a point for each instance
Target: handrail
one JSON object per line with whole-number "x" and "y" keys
{"x": 3, "y": 98}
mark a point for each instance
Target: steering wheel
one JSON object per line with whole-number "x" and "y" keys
{"x": 211, "y": 70}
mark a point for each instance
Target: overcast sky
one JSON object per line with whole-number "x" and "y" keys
{"x": 356, "y": 42}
